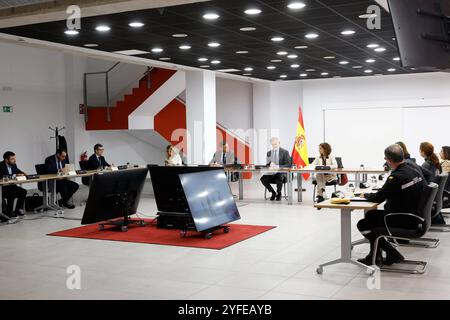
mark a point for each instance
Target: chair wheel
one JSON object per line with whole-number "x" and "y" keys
{"x": 124, "y": 228}
{"x": 101, "y": 227}
{"x": 226, "y": 229}
{"x": 183, "y": 233}
{"x": 319, "y": 270}
{"x": 208, "y": 236}
{"x": 370, "y": 272}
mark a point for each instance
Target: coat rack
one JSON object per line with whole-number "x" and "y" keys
{"x": 56, "y": 132}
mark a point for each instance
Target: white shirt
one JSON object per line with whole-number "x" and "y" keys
{"x": 9, "y": 169}
{"x": 175, "y": 160}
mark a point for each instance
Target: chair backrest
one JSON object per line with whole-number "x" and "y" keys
{"x": 84, "y": 165}
{"x": 311, "y": 160}
{"x": 339, "y": 162}
{"x": 426, "y": 204}
{"x": 441, "y": 181}
{"x": 40, "y": 170}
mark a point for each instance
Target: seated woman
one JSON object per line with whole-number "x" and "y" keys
{"x": 432, "y": 162}
{"x": 173, "y": 158}
{"x": 325, "y": 159}
{"x": 445, "y": 157}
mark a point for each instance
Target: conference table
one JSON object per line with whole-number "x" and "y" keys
{"x": 346, "y": 231}
{"x": 49, "y": 186}
{"x": 298, "y": 172}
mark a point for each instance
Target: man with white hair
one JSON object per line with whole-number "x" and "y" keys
{"x": 276, "y": 158}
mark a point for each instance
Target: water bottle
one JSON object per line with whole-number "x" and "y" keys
{"x": 364, "y": 176}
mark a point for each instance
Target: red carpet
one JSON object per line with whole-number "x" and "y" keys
{"x": 151, "y": 234}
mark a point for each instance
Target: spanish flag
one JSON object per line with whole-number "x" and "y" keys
{"x": 300, "y": 152}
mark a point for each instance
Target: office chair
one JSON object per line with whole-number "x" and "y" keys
{"x": 84, "y": 165}
{"x": 423, "y": 221}
{"x": 285, "y": 196}
{"x": 333, "y": 183}
{"x": 438, "y": 203}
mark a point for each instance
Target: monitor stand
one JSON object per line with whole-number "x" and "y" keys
{"x": 122, "y": 201}
{"x": 207, "y": 233}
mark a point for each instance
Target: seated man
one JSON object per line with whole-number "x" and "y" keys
{"x": 402, "y": 192}
{"x": 224, "y": 157}
{"x": 66, "y": 188}
{"x": 97, "y": 160}
{"x": 8, "y": 167}
{"x": 276, "y": 158}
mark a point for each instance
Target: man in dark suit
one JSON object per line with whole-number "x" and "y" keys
{"x": 276, "y": 158}
{"x": 8, "y": 167}
{"x": 97, "y": 160}
{"x": 66, "y": 188}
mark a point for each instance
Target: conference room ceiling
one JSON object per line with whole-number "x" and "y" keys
{"x": 251, "y": 53}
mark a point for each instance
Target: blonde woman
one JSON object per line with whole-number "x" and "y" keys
{"x": 325, "y": 159}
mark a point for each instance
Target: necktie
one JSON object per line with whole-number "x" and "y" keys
{"x": 59, "y": 165}
{"x": 224, "y": 158}
{"x": 275, "y": 157}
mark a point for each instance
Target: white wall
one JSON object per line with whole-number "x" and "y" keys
{"x": 32, "y": 81}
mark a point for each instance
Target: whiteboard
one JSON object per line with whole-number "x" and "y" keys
{"x": 360, "y": 135}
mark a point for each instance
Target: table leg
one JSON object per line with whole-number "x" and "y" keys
{"x": 346, "y": 245}
{"x": 290, "y": 189}
{"x": 1, "y": 207}
{"x": 299, "y": 187}
{"x": 356, "y": 180}
{"x": 241, "y": 187}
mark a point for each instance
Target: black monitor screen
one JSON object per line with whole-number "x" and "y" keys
{"x": 107, "y": 187}
{"x": 167, "y": 188}
{"x": 210, "y": 199}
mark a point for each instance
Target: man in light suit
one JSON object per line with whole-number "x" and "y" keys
{"x": 224, "y": 156}
{"x": 65, "y": 187}
{"x": 276, "y": 158}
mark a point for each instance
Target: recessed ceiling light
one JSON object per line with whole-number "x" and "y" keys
{"x": 165, "y": 59}
{"x": 282, "y": 53}
{"x": 357, "y": 67}
{"x": 311, "y": 35}
{"x": 296, "y": 5}
{"x": 277, "y": 39}
{"x": 370, "y": 60}
{"x": 228, "y": 70}
{"x": 179, "y": 35}
{"x": 91, "y": 45}
{"x": 303, "y": 74}
{"x": 348, "y": 32}
{"x": 242, "y": 52}
{"x": 213, "y": 44}
{"x": 276, "y": 61}
{"x": 295, "y": 66}
{"x": 215, "y": 61}
{"x": 211, "y": 16}
{"x": 381, "y": 49}
{"x": 271, "y": 67}
{"x": 71, "y": 32}
{"x": 202, "y": 59}
{"x": 247, "y": 29}
{"x": 252, "y": 11}
{"x": 391, "y": 69}
{"x": 367, "y": 16}
{"x": 136, "y": 24}
{"x": 102, "y": 28}
{"x": 324, "y": 74}
{"x": 372, "y": 45}
{"x": 396, "y": 59}
{"x": 247, "y": 74}
{"x": 301, "y": 47}
{"x": 292, "y": 56}
{"x": 205, "y": 66}
{"x": 413, "y": 69}
{"x": 329, "y": 57}
{"x": 248, "y": 69}
{"x": 310, "y": 70}
{"x": 283, "y": 76}
{"x": 368, "y": 71}
{"x": 157, "y": 50}
{"x": 185, "y": 47}
{"x": 343, "y": 62}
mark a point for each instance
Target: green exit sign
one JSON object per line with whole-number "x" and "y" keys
{"x": 7, "y": 109}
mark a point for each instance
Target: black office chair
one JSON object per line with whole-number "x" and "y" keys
{"x": 84, "y": 165}
{"x": 333, "y": 183}
{"x": 441, "y": 181}
{"x": 446, "y": 197}
{"x": 285, "y": 196}
{"x": 406, "y": 232}
{"x": 40, "y": 170}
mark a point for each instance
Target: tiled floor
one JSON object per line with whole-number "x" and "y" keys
{"x": 279, "y": 264}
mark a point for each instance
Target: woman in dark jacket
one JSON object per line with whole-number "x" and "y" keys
{"x": 432, "y": 162}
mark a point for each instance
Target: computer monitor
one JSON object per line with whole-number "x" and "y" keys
{"x": 210, "y": 200}
{"x": 114, "y": 195}
{"x": 167, "y": 188}
{"x": 422, "y": 33}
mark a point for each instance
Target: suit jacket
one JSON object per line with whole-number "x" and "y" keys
{"x": 94, "y": 163}
{"x": 229, "y": 158}
{"x": 4, "y": 169}
{"x": 50, "y": 164}
{"x": 284, "y": 158}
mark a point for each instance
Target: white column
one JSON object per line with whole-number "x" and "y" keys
{"x": 201, "y": 116}
{"x": 262, "y": 121}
